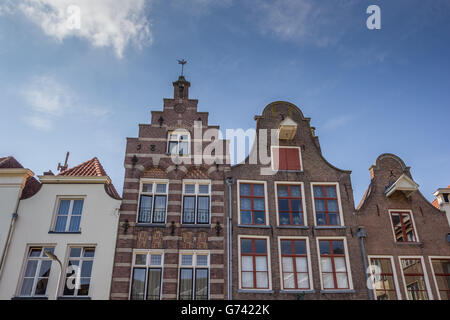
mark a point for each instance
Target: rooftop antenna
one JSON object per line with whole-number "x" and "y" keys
{"x": 65, "y": 166}
{"x": 182, "y": 62}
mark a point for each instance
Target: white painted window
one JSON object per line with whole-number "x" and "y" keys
{"x": 36, "y": 272}
{"x": 196, "y": 202}
{"x": 146, "y": 281}
{"x": 327, "y": 204}
{"x": 153, "y": 201}
{"x": 194, "y": 275}
{"x": 178, "y": 143}
{"x": 68, "y": 215}
{"x": 79, "y": 271}
{"x": 295, "y": 263}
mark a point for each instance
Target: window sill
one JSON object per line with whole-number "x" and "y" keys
{"x": 74, "y": 298}
{"x": 150, "y": 225}
{"x": 338, "y": 291}
{"x": 253, "y": 226}
{"x": 195, "y": 226}
{"x": 30, "y": 298}
{"x": 64, "y": 232}
{"x": 292, "y": 227}
{"x": 254, "y": 291}
{"x": 298, "y": 291}
{"x": 409, "y": 243}
{"x": 329, "y": 227}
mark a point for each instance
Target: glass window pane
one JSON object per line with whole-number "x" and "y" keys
{"x": 328, "y": 281}
{"x": 88, "y": 252}
{"x": 61, "y": 222}
{"x": 320, "y": 205}
{"x": 285, "y": 218}
{"x": 342, "y": 280}
{"x": 246, "y": 217}
{"x": 201, "y": 284}
{"x": 27, "y": 287}
{"x": 186, "y": 284}
{"x": 258, "y": 204}
{"x": 283, "y": 205}
{"x": 35, "y": 252}
{"x": 244, "y": 189}
{"x": 331, "y": 191}
{"x": 247, "y": 279}
{"x": 295, "y": 191}
{"x": 246, "y": 246}
{"x": 203, "y": 189}
{"x": 189, "y": 188}
{"x": 86, "y": 268}
{"x": 301, "y": 264}
{"x": 258, "y": 190}
{"x": 338, "y": 247}
{"x": 339, "y": 264}
{"x": 154, "y": 284}
{"x": 326, "y": 265}
{"x": 247, "y": 263}
{"x": 302, "y": 281}
{"x": 45, "y": 268}
{"x": 161, "y": 188}
{"x": 140, "y": 259}
{"x": 260, "y": 246}
{"x": 186, "y": 260}
{"x": 288, "y": 264}
{"x": 333, "y": 219}
{"x": 332, "y": 205}
{"x": 31, "y": 268}
{"x": 138, "y": 284}
{"x": 173, "y": 146}
{"x": 75, "y": 224}
{"x": 155, "y": 259}
{"x": 262, "y": 280}
{"x": 289, "y": 280}
{"x": 145, "y": 209}
{"x": 202, "y": 260}
{"x": 75, "y": 252}
{"x": 324, "y": 247}
{"x": 77, "y": 207}
{"x": 64, "y": 207}
{"x": 282, "y": 191}
{"x": 296, "y": 205}
{"x": 321, "y": 219}
{"x": 188, "y": 209}
{"x": 246, "y": 204}
{"x": 261, "y": 263}
{"x": 286, "y": 247}
{"x": 41, "y": 286}
{"x": 300, "y": 246}
{"x": 318, "y": 191}
{"x": 260, "y": 217}
{"x": 297, "y": 218}
{"x": 147, "y": 187}
{"x": 159, "y": 212}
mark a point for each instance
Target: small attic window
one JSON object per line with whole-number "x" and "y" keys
{"x": 287, "y": 129}
{"x": 403, "y": 184}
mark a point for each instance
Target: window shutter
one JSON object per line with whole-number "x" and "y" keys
{"x": 292, "y": 158}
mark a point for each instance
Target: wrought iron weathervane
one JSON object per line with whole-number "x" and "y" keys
{"x": 182, "y": 62}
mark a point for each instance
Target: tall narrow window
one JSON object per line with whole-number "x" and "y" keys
{"x": 294, "y": 264}
{"x": 153, "y": 202}
{"x": 178, "y": 143}
{"x": 36, "y": 273}
{"x": 385, "y": 286}
{"x": 69, "y": 215}
{"x": 194, "y": 276}
{"x": 403, "y": 227}
{"x": 290, "y": 208}
{"x": 441, "y": 269}
{"x": 333, "y": 264}
{"x": 196, "y": 203}
{"x": 78, "y": 278}
{"x": 286, "y": 159}
{"x": 252, "y": 204}
{"x": 147, "y": 276}
{"x": 414, "y": 276}
{"x": 254, "y": 264}
{"x": 326, "y": 205}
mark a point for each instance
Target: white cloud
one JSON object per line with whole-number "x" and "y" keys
{"x": 104, "y": 23}
{"x": 317, "y": 22}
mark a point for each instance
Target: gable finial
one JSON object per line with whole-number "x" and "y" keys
{"x": 65, "y": 166}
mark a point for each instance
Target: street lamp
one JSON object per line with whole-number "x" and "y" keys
{"x": 53, "y": 257}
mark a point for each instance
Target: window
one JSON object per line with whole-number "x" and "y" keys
{"x": 254, "y": 263}
{"x": 290, "y": 206}
{"x": 36, "y": 273}
{"x": 286, "y": 158}
{"x": 196, "y": 202}
{"x": 326, "y": 205}
{"x": 178, "y": 143}
{"x": 414, "y": 278}
{"x": 403, "y": 227}
{"x": 294, "y": 264}
{"x": 441, "y": 269}
{"x": 333, "y": 264}
{"x": 79, "y": 267}
{"x": 147, "y": 275}
{"x": 69, "y": 215}
{"x": 252, "y": 204}
{"x": 152, "y": 202}
{"x": 385, "y": 287}
{"x": 194, "y": 276}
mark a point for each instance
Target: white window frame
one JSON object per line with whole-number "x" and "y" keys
{"x": 416, "y": 234}
{"x": 272, "y": 162}
{"x": 430, "y": 258}
{"x": 197, "y": 184}
{"x": 302, "y": 186}
{"x": 338, "y": 193}
{"x": 425, "y": 274}
{"x": 148, "y": 265}
{"x": 347, "y": 261}
{"x": 179, "y": 133}
{"x": 266, "y": 203}
{"x": 81, "y": 259}
{"x": 24, "y": 267}
{"x": 70, "y": 198}
{"x": 269, "y": 262}
{"x": 394, "y": 273}
{"x": 308, "y": 259}
{"x": 194, "y": 267}
{"x": 154, "y": 182}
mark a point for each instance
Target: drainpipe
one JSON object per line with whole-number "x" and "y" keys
{"x": 9, "y": 237}
{"x": 229, "y": 182}
{"x": 362, "y": 234}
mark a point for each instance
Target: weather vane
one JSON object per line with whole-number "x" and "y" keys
{"x": 182, "y": 62}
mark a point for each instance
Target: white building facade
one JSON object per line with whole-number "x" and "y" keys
{"x": 64, "y": 239}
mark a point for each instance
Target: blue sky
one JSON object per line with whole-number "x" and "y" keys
{"x": 367, "y": 91}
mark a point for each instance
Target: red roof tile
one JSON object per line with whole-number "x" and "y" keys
{"x": 436, "y": 204}
{"x": 91, "y": 168}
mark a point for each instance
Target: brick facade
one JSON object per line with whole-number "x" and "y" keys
{"x": 147, "y": 157}
{"x": 430, "y": 224}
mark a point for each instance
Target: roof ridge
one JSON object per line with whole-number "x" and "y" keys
{"x": 98, "y": 168}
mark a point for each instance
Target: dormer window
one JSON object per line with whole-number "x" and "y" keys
{"x": 178, "y": 143}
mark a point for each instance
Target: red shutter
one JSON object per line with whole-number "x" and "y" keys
{"x": 292, "y": 159}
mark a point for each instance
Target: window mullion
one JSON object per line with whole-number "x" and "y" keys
{"x": 69, "y": 215}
